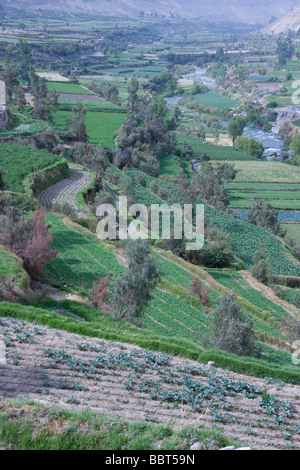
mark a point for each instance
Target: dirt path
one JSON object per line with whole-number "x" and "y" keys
{"x": 54, "y": 367}
{"x": 269, "y": 293}
{"x": 66, "y": 190}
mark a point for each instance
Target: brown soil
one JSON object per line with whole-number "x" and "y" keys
{"x": 30, "y": 373}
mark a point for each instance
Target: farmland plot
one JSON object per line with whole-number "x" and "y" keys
{"x": 101, "y": 126}
{"x": 78, "y": 372}
{"x": 19, "y": 161}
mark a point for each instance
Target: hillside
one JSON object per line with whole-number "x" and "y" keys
{"x": 225, "y": 10}
{"x": 291, "y": 21}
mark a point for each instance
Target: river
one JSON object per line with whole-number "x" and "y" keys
{"x": 273, "y": 145}
{"x": 198, "y": 75}
{"x": 283, "y": 216}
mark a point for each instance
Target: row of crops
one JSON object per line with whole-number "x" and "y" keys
{"x": 80, "y": 262}
{"x": 234, "y": 280}
{"x": 19, "y": 161}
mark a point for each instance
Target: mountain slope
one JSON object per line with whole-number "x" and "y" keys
{"x": 222, "y": 10}
{"x": 289, "y": 22}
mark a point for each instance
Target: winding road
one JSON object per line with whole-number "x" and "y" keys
{"x": 66, "y": 190}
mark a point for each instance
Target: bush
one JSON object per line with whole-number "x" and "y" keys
{"x": 230, "y": 331}
{"x": 261, "y": 268}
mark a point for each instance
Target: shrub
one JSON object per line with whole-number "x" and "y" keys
{"x": 229, "y": 329}
{"x": 261, "y": 268}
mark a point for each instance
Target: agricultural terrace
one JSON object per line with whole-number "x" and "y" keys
{"x": 215, "y": 152}
{"x": 101, "y": 126}
{"x": 172, "y": 311}
{"x": 155, "y": 387}
{"x": 72, "y": 88}
{"x": 266, "y": 172}
{"x": 215, "y": 100}
{"x": 245, "y": 238}
{"x": 284, "y": 196}
{"x": 19, "y": 161}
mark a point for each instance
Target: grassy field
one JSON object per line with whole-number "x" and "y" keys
{"x": 212, "y": 99}
{"x": 19, "y": 161}
{"x": 215, "y": 152}
{"x": 101, "y": 126}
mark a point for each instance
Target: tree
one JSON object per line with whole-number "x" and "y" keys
{"x": 218, "y": 252}
{"x": 264, "y": 215}
{"x": 76, "y": 127}
{"x": 40, "y": 93}
{"x": 53, "y": 103}
{"x": 11, "y": 80}
{"x": 285, "y": 50}
{"x": 20, "y": 100}
{"x": 134, "y": 289}
{"x": 28, "y": 238}
{"x": 100, "y": 292}
{"x": 261, "y": 268}
{"x": 230, "y": 330}
{"x": 38, "y": 252}
{"x": 133, "y": 98}
{"x": 159, "y": 106}
{"x": 202, "y": 293}
{"x": 2, "y": 183}
{"x": 250, "y": 145}
{"x": 295, "y": 148}
{"x": 236, "y": 127}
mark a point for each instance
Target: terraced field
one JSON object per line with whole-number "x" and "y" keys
{"x": 58, "y": 368}
{"x": 66, "y": 191}
{"x": 101, "y": 126}
{"x": 19, "y": 161}
{"x": 215, "y": 152}
{"x": 212, "y": 99}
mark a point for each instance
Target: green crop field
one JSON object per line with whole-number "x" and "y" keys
{"x": 19, "y": 161}
{"x": 268, "y": 172}
{"x": 82, "y": 259}
{"x": 60, "y": 87}
{"x": 101, "y": 126}
{"x": 212, "y": 99}
{"x": 169, "y": 165}
{"x": 215, "y": 152}
{"x": 67, "y": 105}
{"x": 172, "y": 312}
{"x": 244, "y": 237}
{"x": 285, "y": 200}
{"x": 293, "y": 231}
